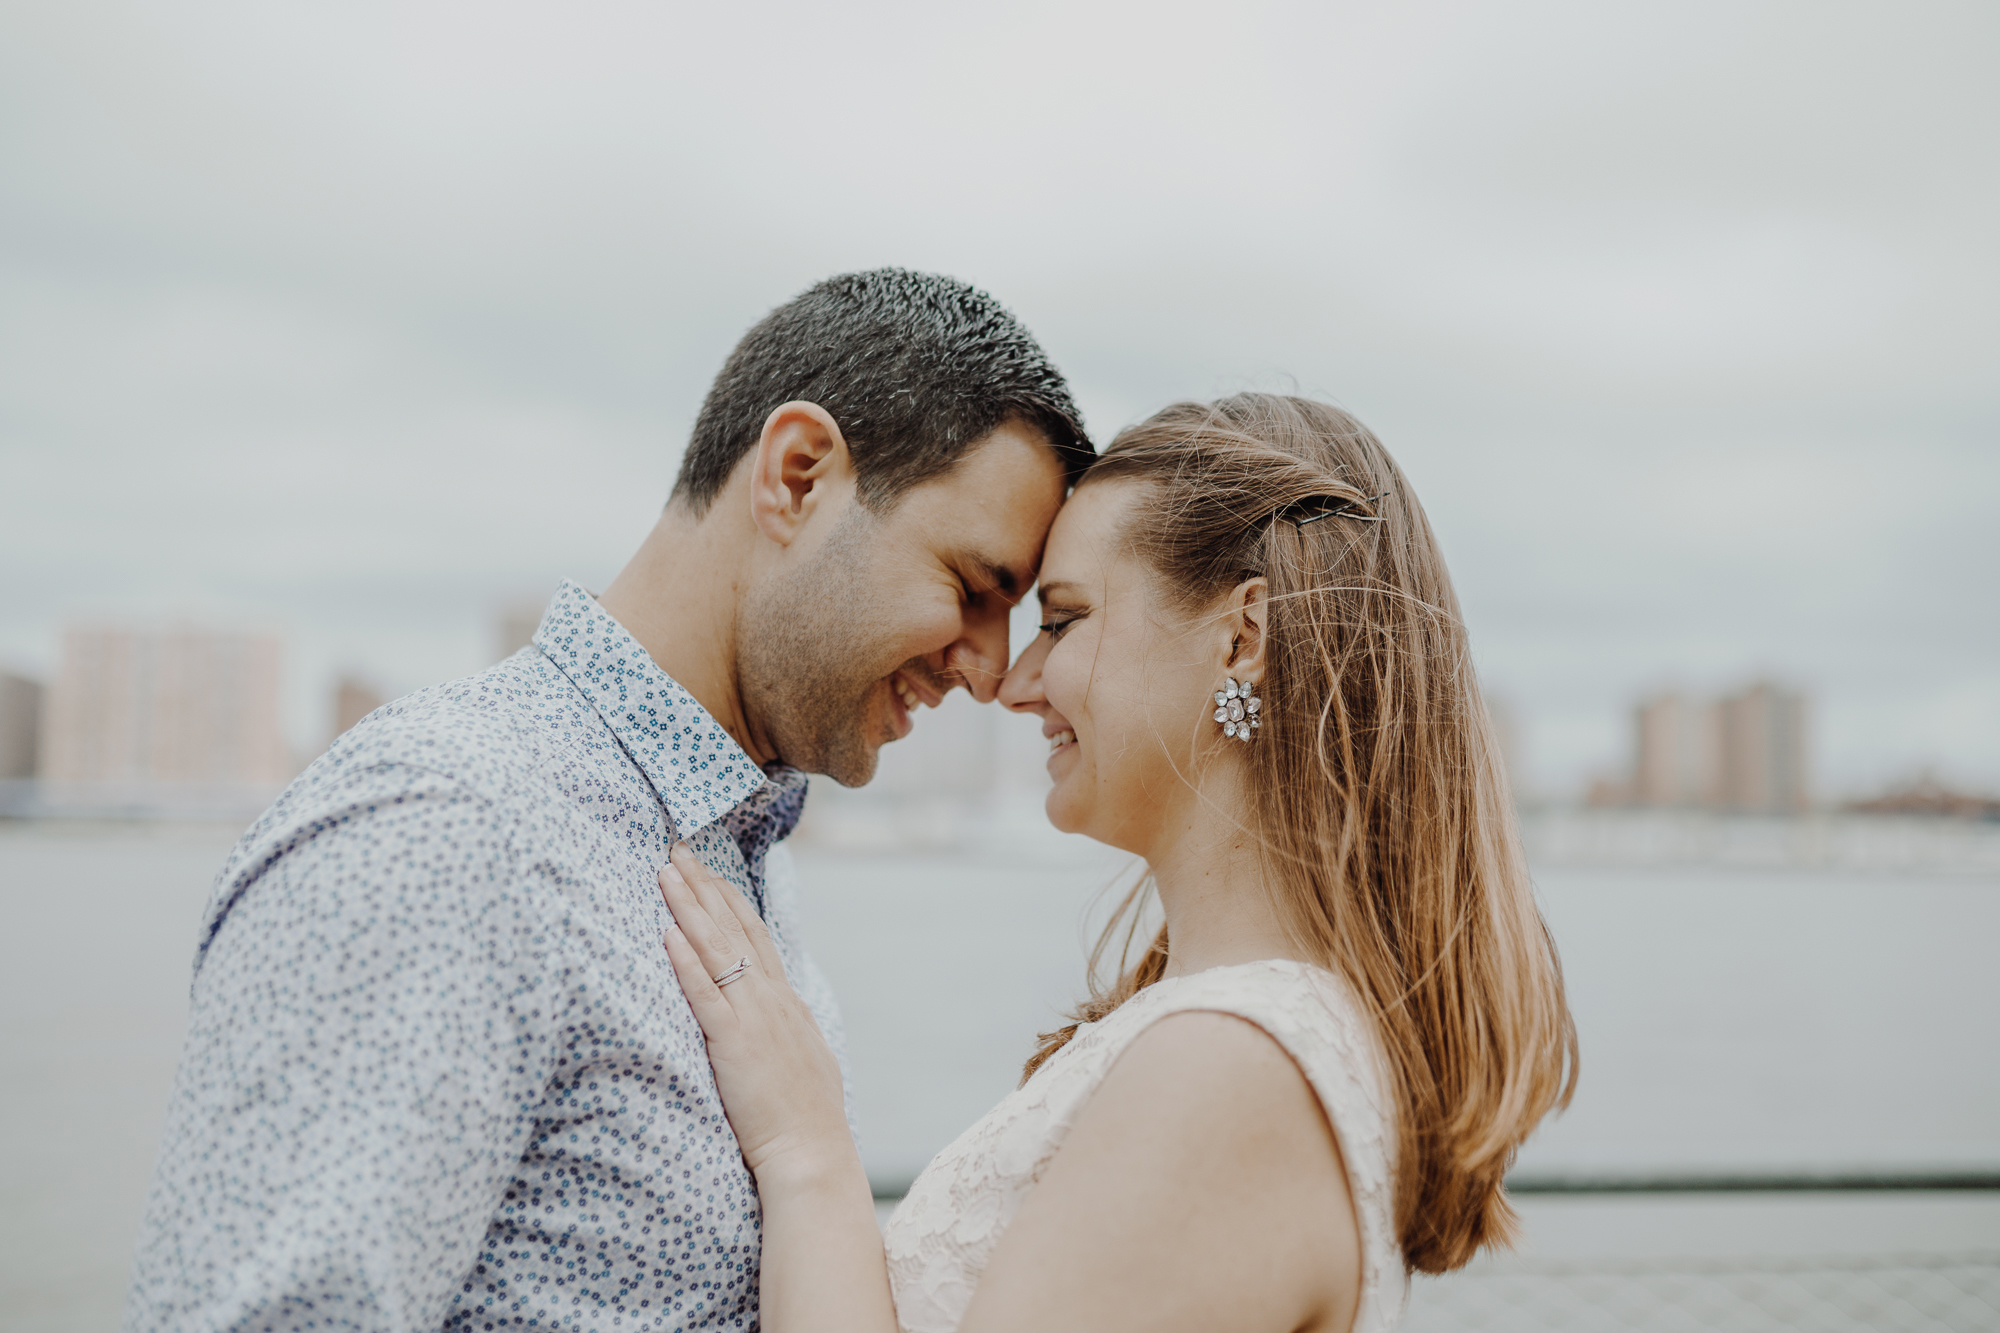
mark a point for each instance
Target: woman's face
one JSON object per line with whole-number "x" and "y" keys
{"x": 1121, "y": 680}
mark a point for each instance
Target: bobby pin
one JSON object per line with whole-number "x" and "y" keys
{"x": 1337, "y": 510}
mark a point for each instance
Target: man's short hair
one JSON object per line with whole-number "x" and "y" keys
{"x": 915, "y": 368}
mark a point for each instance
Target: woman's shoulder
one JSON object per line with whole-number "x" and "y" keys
{"x": 1248, "y": 1033}
{"x": 1215, "y": 1070}
{"x": 1207, "y": 1108}
{"x": 1309, "y": 1012}
{"x": 1220, "y": 1069}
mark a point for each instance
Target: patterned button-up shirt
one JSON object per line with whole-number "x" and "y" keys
{"x": 438, "y": 1072}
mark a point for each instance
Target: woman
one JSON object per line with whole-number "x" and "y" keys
{"x": 1253, "y": 675}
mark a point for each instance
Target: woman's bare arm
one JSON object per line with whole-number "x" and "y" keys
{"x": 823, "y": 1263}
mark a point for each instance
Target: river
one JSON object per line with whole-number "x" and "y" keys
{"x": 1771, "y": 1021}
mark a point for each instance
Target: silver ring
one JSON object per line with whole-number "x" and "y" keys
{"x": 734, "y": 973}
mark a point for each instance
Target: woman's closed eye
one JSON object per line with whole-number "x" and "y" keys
{"x": 1058, "y": 622}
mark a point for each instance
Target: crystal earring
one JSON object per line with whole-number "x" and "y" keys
{"x": 1238, "y": 710}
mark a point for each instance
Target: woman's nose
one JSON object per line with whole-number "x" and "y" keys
{"x": 1021, "y": 688}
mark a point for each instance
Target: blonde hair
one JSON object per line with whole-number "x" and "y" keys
{"x": 1377, "y": 793}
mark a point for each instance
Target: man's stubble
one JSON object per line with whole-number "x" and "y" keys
{"x": 810, "y": 655}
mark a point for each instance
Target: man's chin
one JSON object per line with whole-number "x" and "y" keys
{"x": 848, "y": 760}
{"x": 849, "y": 776}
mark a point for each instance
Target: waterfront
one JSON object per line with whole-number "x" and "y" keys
{"x": 1733, "y": 1019}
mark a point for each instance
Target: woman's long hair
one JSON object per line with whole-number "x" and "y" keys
{"x": 1379, "y": 799}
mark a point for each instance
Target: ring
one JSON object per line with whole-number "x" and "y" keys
{"x": 734, "y": 973}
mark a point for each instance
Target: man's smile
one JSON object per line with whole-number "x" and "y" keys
{"x": 906, "y": 693}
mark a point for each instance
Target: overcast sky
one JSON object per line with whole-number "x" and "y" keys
{"x": 359, "y": 320}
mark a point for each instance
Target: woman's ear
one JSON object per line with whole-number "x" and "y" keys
{"x": 1246, "y": 617}
{"x": 800, "y": 459}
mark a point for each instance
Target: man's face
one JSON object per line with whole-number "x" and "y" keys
{"x": 893, "y": 610}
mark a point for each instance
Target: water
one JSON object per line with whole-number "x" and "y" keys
{"x": 93, "y": 980}
{"x": 1731, "y": 1019}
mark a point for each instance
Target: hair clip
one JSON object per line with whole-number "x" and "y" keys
{"x": 1339, "y": 508}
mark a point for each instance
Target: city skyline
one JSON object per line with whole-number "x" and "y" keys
{"x": 176, "y": 705}
{"x": 149, "y": 704}
{"x": 365, "y": 326}
{"x": 1748, "y": 751}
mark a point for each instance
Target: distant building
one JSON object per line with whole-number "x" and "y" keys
{"x": 353, "y": 699}
{"x": 1764, "y": 751}
{"x": 1605, "y": 791}
{"x": 1679, "y": 752}
{"x": 1928, "y": 796}
{"x": 20, "y": 725}
{"x": 178, "y": 706}
{"x": 1744, "y": 753}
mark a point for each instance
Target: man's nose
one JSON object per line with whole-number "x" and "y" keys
{"x": 980, "y": 656}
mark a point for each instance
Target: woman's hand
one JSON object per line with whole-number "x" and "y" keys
{"x": 779, "y": 1081}
{"x": 822, "y": 1269}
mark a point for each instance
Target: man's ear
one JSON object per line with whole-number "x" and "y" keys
{"x": 1245, "y": 620}
{"x": 799, "y": 464}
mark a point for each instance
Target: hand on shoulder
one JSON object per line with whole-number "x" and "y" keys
{"x": 1199, "y": 1188}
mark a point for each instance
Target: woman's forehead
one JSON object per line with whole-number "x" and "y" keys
{"x": 1082, "y": 543}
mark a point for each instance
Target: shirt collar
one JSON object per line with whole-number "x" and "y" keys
{"x": 769, "y": 815}
{"x": 699, "y": 771}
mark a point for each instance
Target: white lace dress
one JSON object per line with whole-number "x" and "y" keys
{"x": 941, "y": 1236}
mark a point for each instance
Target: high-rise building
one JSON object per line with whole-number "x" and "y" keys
{"x": 1764, "y": 750}
{"x": 20, "y": 725}
{"x": 1680, "y": 752}
{"x": 1744, "y": 753}
{"x": 176, "y": 706}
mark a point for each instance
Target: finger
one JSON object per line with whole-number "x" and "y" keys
{"x": 710, "y": 1005}
{"x": 718, "y": 893}
{"x": 714, "y": 897}
{"x": 756, "y": 930}
{"x": 696, "y": 923}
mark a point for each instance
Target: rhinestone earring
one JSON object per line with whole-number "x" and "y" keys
{"x": 1238, "y": 710}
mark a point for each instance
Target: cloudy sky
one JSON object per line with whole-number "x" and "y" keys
{"x": 360, "y": 320}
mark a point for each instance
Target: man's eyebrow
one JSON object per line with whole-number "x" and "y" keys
{"x": 996, "y": 576}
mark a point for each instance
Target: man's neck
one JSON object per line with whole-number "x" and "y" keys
{"x": 677, "y": 596}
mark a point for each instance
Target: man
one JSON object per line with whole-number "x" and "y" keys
{"x": 437, "y": 1071}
